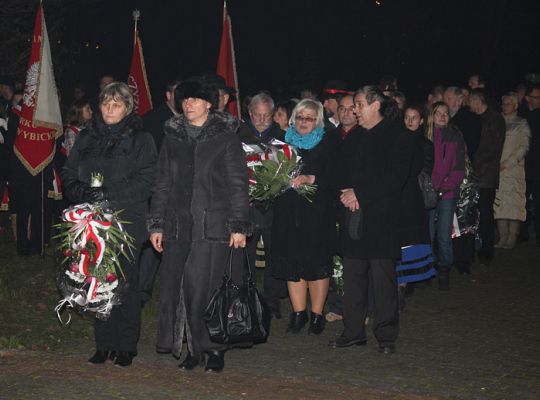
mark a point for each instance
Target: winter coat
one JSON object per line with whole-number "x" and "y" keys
{"x": 125, "y": 155}
{"x": 510, "y": 197}
{"x": 303, "y": 231}
{"x": 470, "y": 125}
{"x": 249, "y": 135}
{"x": 376, "y": 167}
{"x": 488, "y": 156}
{"x": 532, "y": 161}
{"x": 449, "y": 163}
{"x": 200, "y": 197}
{"x": 414, "y": 225}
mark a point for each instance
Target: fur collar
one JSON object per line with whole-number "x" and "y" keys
{"x": 218, "y": 124}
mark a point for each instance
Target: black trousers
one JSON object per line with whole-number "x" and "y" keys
{"x": 487, "y": 224}
{"x": 27, "y": 203}
{"x": 121, "y": 331}
{"x": 356, "y": 276}
{"x": 463, "y": 251}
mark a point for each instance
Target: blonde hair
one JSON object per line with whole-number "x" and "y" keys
{"x": 309, "y": 104}
{"x": 430, "y": 122}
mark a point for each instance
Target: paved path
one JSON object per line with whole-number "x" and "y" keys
{"x": 480, "y": 340}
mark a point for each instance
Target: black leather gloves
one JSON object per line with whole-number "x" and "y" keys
{"x": 94, "y": 194}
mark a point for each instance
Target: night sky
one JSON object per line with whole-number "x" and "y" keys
{"x": 297, "y": 43}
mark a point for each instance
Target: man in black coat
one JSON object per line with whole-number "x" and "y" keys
{"x": 260, "y": 129}
{"x": 470, "y": 125}
{"x": 153, "y": 122}
{"x": 376, "y": 172}
{"x": 486, "y": 165}
{"x": 532, "y": 161}
{"x": 343, "y": 134}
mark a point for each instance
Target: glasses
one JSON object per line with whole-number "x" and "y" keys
{"x": 298, "y": 118}
{"x": 345, "y": 109}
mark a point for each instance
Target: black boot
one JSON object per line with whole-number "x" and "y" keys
{"x": 123, "y": 359}
{"x": 191, "y": 362}
{"x": 216, "y": 361}
{"x": 99, "y": 357}
{"x": 316, "y": 325}
{"x": 444, "y": 278}
{"x": 297, "y": 321}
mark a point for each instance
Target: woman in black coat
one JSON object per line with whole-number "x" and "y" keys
{"x": 199, "y": 209}
{"x": 116, "y": 146}
{"x": 302, "y": 230}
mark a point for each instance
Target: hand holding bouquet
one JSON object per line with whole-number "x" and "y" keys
{"x": 273, "y": 177}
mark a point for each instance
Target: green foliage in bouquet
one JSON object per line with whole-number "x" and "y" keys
{"x": 273, "y": 178}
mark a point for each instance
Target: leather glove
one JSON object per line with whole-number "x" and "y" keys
{"x": 94, "y": 194}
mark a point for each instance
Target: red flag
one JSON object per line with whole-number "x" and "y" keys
{"x": 137, "y": 80}
{"x": 226, "y": 62}
{"x": 40, "y": 119}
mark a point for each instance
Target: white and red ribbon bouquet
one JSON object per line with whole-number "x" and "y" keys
{"x": 92, "y": 241}
{"x": 271, "y": 169}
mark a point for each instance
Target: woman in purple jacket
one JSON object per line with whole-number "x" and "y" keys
{"x": 447, "y": 175}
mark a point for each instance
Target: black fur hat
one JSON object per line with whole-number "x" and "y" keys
{"x": 197, "y": 88}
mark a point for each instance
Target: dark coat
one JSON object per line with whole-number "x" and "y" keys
{"x": 532, "y": 161}
{"x": 470, "y": 126}
{"x": 414, "y": 224}
{"x": 377, "y": 166}
{"x": 487, "y": 159}
{"x": 249, "y": 135}
{"x": 125, "y": 155}
{"x": 200, "y": 197}
{"x": 154, "y": 120}
{"x": 303, "y": 231}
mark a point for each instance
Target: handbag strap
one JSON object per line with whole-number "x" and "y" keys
{"x": 227, "y": 277}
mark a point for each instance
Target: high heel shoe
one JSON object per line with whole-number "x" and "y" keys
{"x": 216, "y": 361}
{"x": 191, "y": 361}
{"x": 316, "y": 324}
{"x": 297, "y": 321}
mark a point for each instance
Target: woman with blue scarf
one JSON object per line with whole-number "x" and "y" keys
{"x": 303, "y": 230}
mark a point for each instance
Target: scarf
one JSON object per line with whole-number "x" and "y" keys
{"x": 306, "y": 142}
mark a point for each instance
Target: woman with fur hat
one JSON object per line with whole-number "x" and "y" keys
{"x": 199, "y": 209}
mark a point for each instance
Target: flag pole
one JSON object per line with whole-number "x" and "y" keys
{"x": 136, "y": 17}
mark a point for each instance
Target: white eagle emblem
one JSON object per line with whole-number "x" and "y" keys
{"x": 132, "y": 83}
{"x": 31, "y": 84}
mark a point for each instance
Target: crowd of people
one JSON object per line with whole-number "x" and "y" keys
{"x": 406, "y": 192}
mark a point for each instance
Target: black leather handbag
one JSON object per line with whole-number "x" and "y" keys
{"x": 237, "y": 314}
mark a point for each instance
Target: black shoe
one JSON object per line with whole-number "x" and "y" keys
{"x": 344, "y": 341}
{"x": 191, "y": 361}
{"x": 99, "y": 357}
{"x": 387, "y": 348}
{"x": 216, "y": 361}
{"x": 444, "y": 278}
{"x": 316, "y": 325}
{"x": 123, "y": 359}
{"x": 297, "y": 321}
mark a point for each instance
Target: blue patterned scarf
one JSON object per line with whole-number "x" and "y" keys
{"x": 305, "y": 142}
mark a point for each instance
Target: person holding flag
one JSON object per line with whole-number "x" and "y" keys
{"x": 39, "y": 125}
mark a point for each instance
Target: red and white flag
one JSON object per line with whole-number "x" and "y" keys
{"x": 40, "y": 119}
{"x": 137, "y": 80}
{"x": 226, "y": 62}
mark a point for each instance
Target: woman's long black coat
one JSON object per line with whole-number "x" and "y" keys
{"x": 200, "y": 197}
